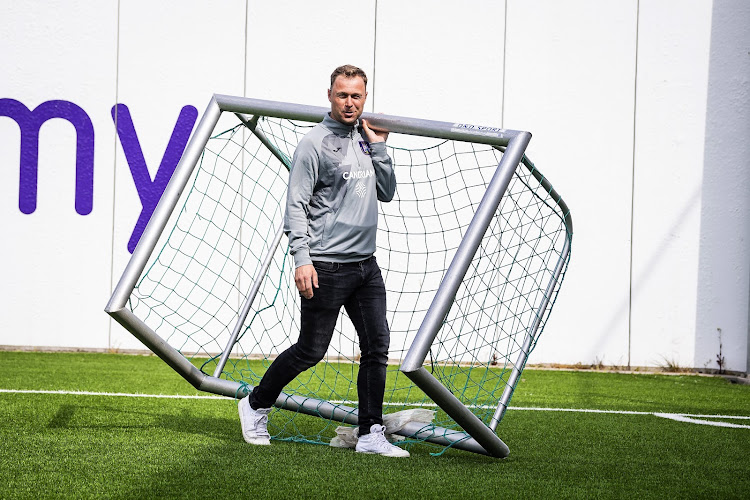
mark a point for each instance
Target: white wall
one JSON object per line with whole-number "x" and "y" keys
{"x": 723, "y": 276}
{"x": 573, "y": 88}
{"x": 55, "y": 264}
{"x": 638, "y": 109}
{"x": 669, "y": 135}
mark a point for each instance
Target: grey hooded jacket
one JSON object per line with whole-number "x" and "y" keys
{"x": 334, "y": 184}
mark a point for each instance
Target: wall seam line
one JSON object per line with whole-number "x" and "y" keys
{"x": 114, "y": 173}
{"x": 632, "y": 180}
{"x": 374, "y": 54}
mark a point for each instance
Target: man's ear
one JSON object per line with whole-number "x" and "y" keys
{"x": 329, "y": 95}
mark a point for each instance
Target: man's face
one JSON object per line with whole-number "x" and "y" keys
{"x": 347, "y": 98}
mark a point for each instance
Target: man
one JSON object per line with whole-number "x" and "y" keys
{"x": 339, "y": 171}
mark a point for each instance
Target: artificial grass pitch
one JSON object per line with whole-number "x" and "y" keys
{"x": 65, "y": 445}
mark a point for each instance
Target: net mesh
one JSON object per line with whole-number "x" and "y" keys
{"x": 223, "y": 229}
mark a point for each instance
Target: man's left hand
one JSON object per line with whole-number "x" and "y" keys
{"x": 373, "y": 135}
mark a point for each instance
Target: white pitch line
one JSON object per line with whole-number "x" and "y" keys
{"x": 691, "y": 420}
{"x": 115, "y": 394}
{"x": 678, "y": 417}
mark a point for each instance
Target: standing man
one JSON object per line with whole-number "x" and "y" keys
{"x": 339, "y": 171}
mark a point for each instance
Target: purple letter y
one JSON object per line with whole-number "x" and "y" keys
{"x": 149, "y": 191}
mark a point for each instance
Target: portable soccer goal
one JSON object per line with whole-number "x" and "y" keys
{"x": 473, "y": 249}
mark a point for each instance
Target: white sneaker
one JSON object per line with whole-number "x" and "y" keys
{"x": 376, "y": 442}
{"x": 254, "y": 423}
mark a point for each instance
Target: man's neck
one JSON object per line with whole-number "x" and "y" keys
{"x": 336, "y": 125}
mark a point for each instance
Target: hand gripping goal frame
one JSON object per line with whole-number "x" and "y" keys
{"x": 476, "y": 436}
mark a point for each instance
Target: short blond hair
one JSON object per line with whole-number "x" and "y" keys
{"x": 348, "y": 71}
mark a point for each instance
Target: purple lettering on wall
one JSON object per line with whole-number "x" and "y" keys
{"x": 29, "y": 122}
{"x": 149, "y": 191}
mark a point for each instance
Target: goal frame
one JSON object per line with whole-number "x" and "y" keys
{"x": 478, "y": 437}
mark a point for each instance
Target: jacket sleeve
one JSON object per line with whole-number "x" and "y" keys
{"x": 384, "y": 172}
{"x": 302, "y": 178}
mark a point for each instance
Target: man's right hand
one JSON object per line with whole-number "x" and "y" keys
{"x": 306, "y": 278}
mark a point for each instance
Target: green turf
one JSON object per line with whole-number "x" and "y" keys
{"x": 82, "y": 446}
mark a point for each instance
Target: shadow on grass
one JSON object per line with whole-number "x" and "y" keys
{"x": 116, "y": 417}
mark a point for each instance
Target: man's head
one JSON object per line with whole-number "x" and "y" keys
{"x": 347, "y": 94}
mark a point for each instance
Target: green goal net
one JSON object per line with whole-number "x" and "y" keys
{"x": 218, "y": 287}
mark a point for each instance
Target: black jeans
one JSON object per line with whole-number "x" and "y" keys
{"x": 359, "y": 287}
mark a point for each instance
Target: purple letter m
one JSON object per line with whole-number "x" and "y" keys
{"x": 30, "y": 122}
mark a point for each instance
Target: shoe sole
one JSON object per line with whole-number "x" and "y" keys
{"x": 389, "y": 455}
{"x": 250, "y": 440}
